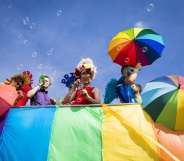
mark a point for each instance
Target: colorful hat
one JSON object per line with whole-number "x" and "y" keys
{"x": 85, "y": 65}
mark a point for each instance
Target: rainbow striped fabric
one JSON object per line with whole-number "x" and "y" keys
{"x": 90, "y": 133}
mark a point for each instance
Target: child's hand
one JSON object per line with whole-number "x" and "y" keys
{"x": 85, "y": 93}
{"x": 135, "y": 89}
{"x": 53, "y": 101}
{"x": 76, "y": 83}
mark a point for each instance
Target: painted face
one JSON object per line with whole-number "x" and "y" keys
{"x": 16, "y": 84}
{"x": 130, "y": 74}
{"x": 85, "y": 78}
{"x": 132, "y": 77}
{"x": 47, "y": 82}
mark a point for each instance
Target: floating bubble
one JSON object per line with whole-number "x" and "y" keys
{"x": 25, "y": 20}
{"x": 59, "y": 12}
{"x": 40, "y": 66}
{"x": 34, "y": 54}
{"x": 50, "y": 52}
{"x": 19, "y": 67}
{"x": 25, "y": 42}
{"x": 32, "y": 26}
{"x": 150, "y": 7}
{"x": 139, "y": 24}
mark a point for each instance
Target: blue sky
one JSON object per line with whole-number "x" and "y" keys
{"x": 51, "y": 36}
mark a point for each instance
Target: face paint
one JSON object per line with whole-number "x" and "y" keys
{"x": 85, "y": 77}
{"x": 47, "y": 82}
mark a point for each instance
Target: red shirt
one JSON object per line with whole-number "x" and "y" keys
{"x": 80, "y": 99}
{"x": 22, "y": 101}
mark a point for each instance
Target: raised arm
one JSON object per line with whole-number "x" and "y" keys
{"x": 33, "y": 91}
{"x": 71, "y": 93}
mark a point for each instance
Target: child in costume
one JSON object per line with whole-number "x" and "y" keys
{"x": 39, "y": 94}
{"x": 81, "y": 91}
{"x": 125, "y": 88}
{"x": 23, "y": 84}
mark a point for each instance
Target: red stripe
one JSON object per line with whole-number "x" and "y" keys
{"x": 4, "y": 106}
{"x": 127, "y": 55}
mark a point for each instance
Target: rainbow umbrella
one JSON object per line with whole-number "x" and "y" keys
{"x": 136, "y": 45}
{"x": 163, "y": 99}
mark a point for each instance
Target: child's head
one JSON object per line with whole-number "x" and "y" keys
{"x": 17, "y": 81}
{"x": 85, "y": 70}
{"x": 45, "y": 81}
{"x": 130, "y": 72}
{"x": 27, "y": 77}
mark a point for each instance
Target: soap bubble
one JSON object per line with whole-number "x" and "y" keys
{"x": 59, "y": 13}
{"x": 50, "y": 52}
{"x": 20, "y": 67}
{"x": 150, "y": 7}
{"x": 25, "y": 42}
{"x": 34, "y": 54}
{"x": 26, "y": 20}
{"x": 40, "y": 66}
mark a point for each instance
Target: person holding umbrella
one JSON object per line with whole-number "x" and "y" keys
{"x": 125, "y": 88}
{"x": 132, "y": 49}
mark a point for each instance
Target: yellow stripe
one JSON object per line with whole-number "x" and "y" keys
{"x": 121, "y": 35}
{"x": 137, "y": 31}
{"x": 180, "y": 111}
{"x": 128, "y": 134}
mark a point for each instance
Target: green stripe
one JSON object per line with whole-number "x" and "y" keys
{"x": 76, "y": 135}
{"x": 146, "y": 31}
{"x": 155, "y": 108}
{"x": 168, "y": 114}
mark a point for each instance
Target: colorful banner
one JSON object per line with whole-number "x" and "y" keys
{"x": 81, "y": 133}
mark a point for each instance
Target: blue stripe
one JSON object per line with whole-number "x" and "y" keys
{"x": 164, "y": 79}
{"x": 156, "y": 38}
{"x": 156, "y": 46}
{"x": 26, "y": 134}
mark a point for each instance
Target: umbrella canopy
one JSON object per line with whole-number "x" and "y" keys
{"x": 136, "y": 45}
{"x": 163, "y": 99}
{"x": 171, "y": 140}
{"x": 8, "y": 94}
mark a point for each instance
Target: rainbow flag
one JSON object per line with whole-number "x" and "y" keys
{"x": 84, "y": 133}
